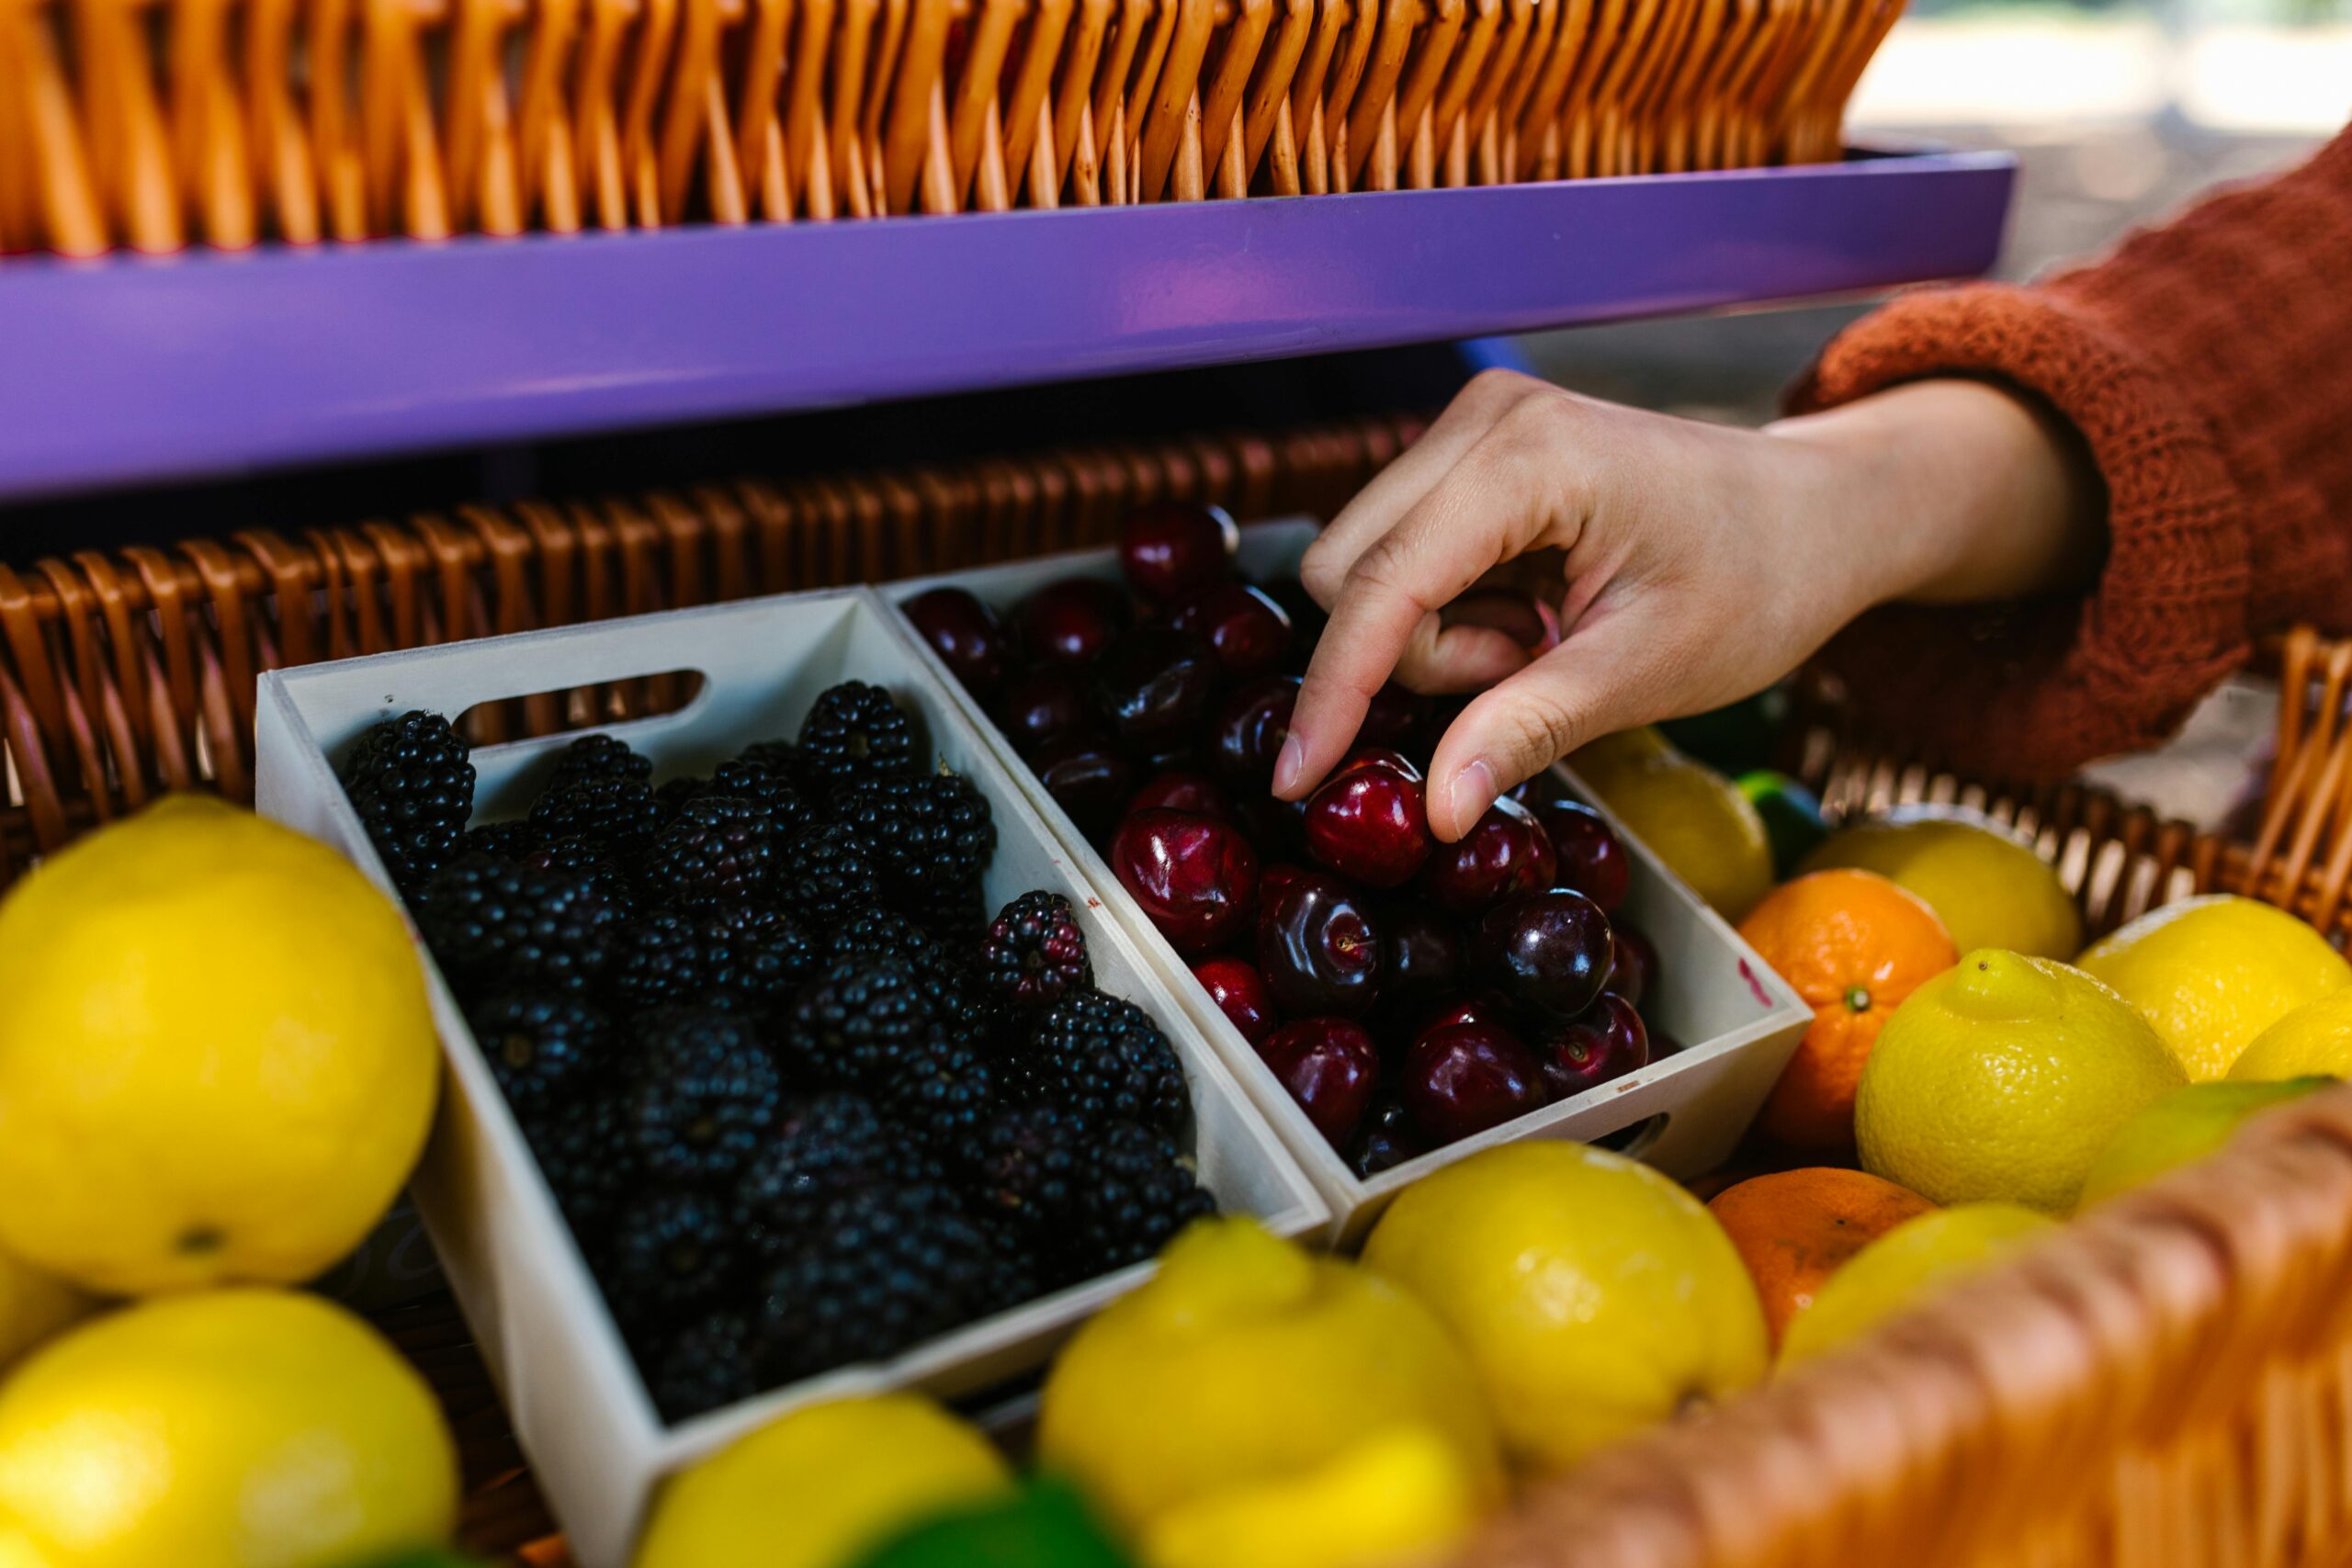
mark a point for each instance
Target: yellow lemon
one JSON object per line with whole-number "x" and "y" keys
{"x": 2314, "y": 1039}
{"x": 34, "y": 1304}
{"x": 1988, "y": 887}
{"x": 1904, "y": 1266}
{"x": 1246, "y": 1361}
{"x": 247, "y": 1429}
{"x": 1399, "y": 1496}
{"x": 1594, "y": 1295}
{"x": 2183, "y": 1127}
{"x": 217, "y": 1063}
{"x": 2003, "y": 1078}
{"x": 814, "y": 1488}
{"x": 1699, "y": 823}
{"x": 2213, "y": 973}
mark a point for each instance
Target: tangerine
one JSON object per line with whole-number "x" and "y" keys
{"x": 1795, "y": 1228}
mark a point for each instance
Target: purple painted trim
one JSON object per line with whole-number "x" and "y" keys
{"x": 129, "y": 369}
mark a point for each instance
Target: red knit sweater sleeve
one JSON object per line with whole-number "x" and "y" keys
{"x": 2208, "y": 366}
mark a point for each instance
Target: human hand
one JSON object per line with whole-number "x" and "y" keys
{"x": 1692, "y": 564}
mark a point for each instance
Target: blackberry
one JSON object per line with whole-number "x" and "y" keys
{"x": 665, "y": 956}
{"x": 883, "y": 933}
{"x": 507, "y": 840}
{"x": 780, "y": 758}
{"x": 932, "y": 833}
{"x": 707, "y": 1094}
{"x": 942, "y": 1088}
{"x": 590, "y": 1162}
{"x": 573, "y": 851}
{"x": 853, "y": 732}
{"x": 956, "y": 917}
{"x": 543, "y": 1047}
{"x": 492, "y": 922}
{"x": 1024, "y": 1163}
{"x": 1138, "y": 1190}
{"x": 710, "y": 1363}
{"x": 884, "y": 1269}
{"x": 859, "y": 1023}
{"x": 1103, "y": 1057}
{"x": 1034, "y": 954}
{"x": 719, "y": 851}
{"x": 612, "y": 811}
{"x": 756, "y": 952}
{"x": 412, "y": 785}
{"x": 824, "y": 1147}
{"x": 597, "y": 757}
{"x": 827, "y": 874}
{"x": 955, "y": 1000}
{"x": 673, "y": 797}
{"x": 671, "y": 1255}
{"x": 773, "y": 795}
{"x": 1017, "y": 1273}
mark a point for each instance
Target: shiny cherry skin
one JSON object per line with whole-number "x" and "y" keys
{"x": 1073, "y": 621}
{"x": 1470, "y": 1008}
{"x": 1239, "y": 992}
{"x": 1195, "y": 877}
{"x": 1369, "y": 820}
{"x": 1307, "y": 618}
{"x": 1318, "y": 947}
{"x": 1394, "y": 718}
{"x": 1249, "y": 729}
{"x": 1387, "y": 1140}
{"x": 1041, "y": 703}
{"x": 1087, "y": 778}
{"x": 1250, "y": 631}
{"x": 1330, "y": 1066}
{"x": 1634, "y": 976}
{"x": 1590, "y": 855}
{"x": 1607, "y": 1041}
{"x": 1276, "y": 877}
{"x": 1504, "y": 853}
{"x": 1171, "y": 549}
{"x": 967, "y": 635}
{"x": 1461, "y": 1079}
{"x": 1154, "y": 687}
{"x": 1181, "y": 789}
{"x": 1548, "y": 954}
{"x": 1420, "y": 954}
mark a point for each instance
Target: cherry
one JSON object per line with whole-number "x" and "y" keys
{"x": 1155, "y": 685}
{"x": 1318, "y": 947}
{"x": 1607, "y": 1042}
{"x": 966, "y": 634}
{"x": 1462, "y": 1079}
{"x": 1248, "y": 631}
{"x": 1634, "y": 974}
{"x": 1249, "y": 728}
{"x": 1420, "y": 954}
{"x": 1547, "y": 952}
{"x": 1195, "y": 876}
{"x": 1369, "y": 820}
{"x": 1478, "y": 1008}
{"x": 1041, "y": 704}
{"x": 1506, "y": 852}
{"x": 1307, "y": 618}
{"x": 1329, "y": 1066}
{"x": 1662, "y": 1045}
{"x": 1171, "y": 547}
{"x": 1239, "y": 992}
{"x": 1180, "y": 789}
{"x": 1394, "y": 718}
{"x": 1073, "y": 621}
{"x": 1388, "y": 1140}
{"x": 1592, "y": 857}
{"x": 1278, "y": 877}
{"x": 1277, "y": 827}
{"x": 1086, "y": 778}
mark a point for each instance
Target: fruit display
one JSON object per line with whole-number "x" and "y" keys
{"x": 803, "y": 1101}
{"x": 1407, "y": 994}
{"x": 1904, "y": 1265}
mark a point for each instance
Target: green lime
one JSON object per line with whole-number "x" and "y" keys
{"x": 1792, "y": 814}
{"x": 1045, "y": 1524}
{"x": 1736, "y": 737}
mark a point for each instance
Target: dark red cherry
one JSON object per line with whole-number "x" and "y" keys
{"x": 1506, "y": 852}
{"x": 1605, "y": 1041}
{"x": 1250, "y": 631}
{"x": 1420, "y": 954}
{"x": 1239, "y": 992}
{"x": 1248, "y": 730}
{"x": 1546, "y": 953}
{"x": 1154, "y": 687}
{"x": 1476, "y": 1008}
{"x": 1592, "y": 857}
{"x": 1039, "y": 704}
{"x": 1073, "y": 621}
{"x": 1394, "y": 718}
{"x": 1635, "y": 973}
{"x": 1318, "y": 947}
{"x": 1387, "y": 1140}
{"x": 1170, "y": 548}
{"x": 1307, "y": 618}
{"x": 1276, "y": 827}
{"x": 1461, "y": 1079}
{"x": 966, "y": 634}
{"x": 1369, "y": 820}
{"x": 1275, "y": 878}
{"x": 1195, "y": 877}
{"x": 1180, "y": 789}
{"x": 1086, "y": 778}
{"x": 1330, "y": 1066}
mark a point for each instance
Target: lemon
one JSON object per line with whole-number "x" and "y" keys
{"x": 246, "y": 1429}
{"x": 2214, "y": 972}
{"x": 2316, "y": 1038}
{"x": 2183, "y": 1126}
{"x": 216, "y": 1064}
{"x": 1692, "y": 817}
{"x": 1595, "y": 1296}
{"x": 814, "y": 1488}
{"x": 2004, "y": 1079}
{"x": 1904, "y": 1266}
{"x": 1399, "y": 1496}
{"x": 1987, "y": 885}
{"x": 34, "y": 1304}
{"x": 1246, "y": 1362}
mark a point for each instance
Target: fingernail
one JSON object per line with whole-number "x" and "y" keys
{"x": 1290, "y": 766}
{"x": 1473, "y": 791}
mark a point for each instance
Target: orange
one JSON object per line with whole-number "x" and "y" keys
{"x": 1854, "y": 946}
{"x": 1795, "y": 1228}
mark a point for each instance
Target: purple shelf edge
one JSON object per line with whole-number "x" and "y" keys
{"x": 128, "y": 370}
